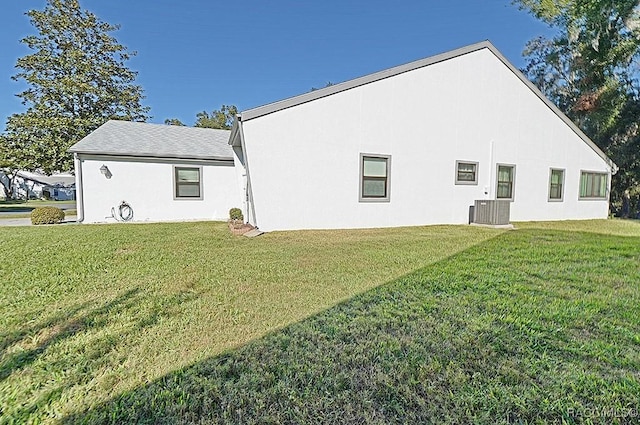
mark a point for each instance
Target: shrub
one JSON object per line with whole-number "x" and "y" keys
{"x": 46, "y": 215}
{"x": 236, "y": 214}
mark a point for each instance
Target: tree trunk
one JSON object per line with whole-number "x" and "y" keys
{"x": 8, "y": 185}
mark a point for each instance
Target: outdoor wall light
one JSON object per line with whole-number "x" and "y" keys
{"x": 104, "y": 170}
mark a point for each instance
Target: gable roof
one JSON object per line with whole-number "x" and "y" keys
{"x": 127, "y": 138}
{"x": 60, "y": 179}
{"x": 259, "y": 111}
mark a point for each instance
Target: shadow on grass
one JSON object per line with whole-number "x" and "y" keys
{"x": 56, "y": 329}
{"x": 7, "y": 339}
{"x": 81, "y": 339}
{"x": 16, "y": 209}
{"x": 491, "y": 335}
{"x": 18, "y": 206}
{"x": 12, "y": 202}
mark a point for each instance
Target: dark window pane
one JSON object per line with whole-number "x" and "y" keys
{"x": 593, "y": 185}
{"x": 555, "y": 186}
{"x": 189, "y": 190}
{"x": 374, "y": 188}
{"x": 505, "y": 182}
{"x": 466, "y": 176}
{"x": 188, "y": 175}
{"x": 504, "y": 190}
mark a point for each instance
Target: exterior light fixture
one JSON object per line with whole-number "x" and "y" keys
{"x": 104, "y": 170}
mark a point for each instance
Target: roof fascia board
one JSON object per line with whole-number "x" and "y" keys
{"x": 121, "y": 156}
{"x": 251, "y": 203}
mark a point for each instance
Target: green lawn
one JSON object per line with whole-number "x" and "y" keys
{"x": 184, "y": 323}
{"x": 32, "y": 203}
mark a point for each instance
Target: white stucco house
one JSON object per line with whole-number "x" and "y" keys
{"x": 130, "y": 171}
{"x": 36, "y": 185}
{"x": 412, "y": 145}
{"x": 417, "y": 144}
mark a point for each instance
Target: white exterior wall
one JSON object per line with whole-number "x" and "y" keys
{"x": 147, "y": 185}
{"x": 304, "y": 160}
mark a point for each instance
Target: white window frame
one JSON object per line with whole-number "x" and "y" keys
{"x": 362, "y": 178}
{"x": 475, "y": 172}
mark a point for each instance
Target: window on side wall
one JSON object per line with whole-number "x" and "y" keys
{"x": 466, "y": 172}
{"x": 187, "y": 182}
{"x": 505, "y": 183}
{"x": 593, "y": 185}
{"x": 556, "y": 184}
{"x": 374, "y": 177}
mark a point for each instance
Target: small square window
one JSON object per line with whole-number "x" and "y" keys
{"x": 374, "y": 178}
{"x": 466, "y": 172}
{"x": 556, "y": 184}
{"x": 187, "y": 182}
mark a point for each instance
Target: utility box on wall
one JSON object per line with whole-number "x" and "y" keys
{"x": 491, "y": 212}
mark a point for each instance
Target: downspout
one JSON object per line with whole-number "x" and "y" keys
{"x": 79, "y": 189}
{"x": 249, "y": 189}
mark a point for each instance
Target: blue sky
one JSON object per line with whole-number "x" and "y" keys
{"x": 196, "y": 55}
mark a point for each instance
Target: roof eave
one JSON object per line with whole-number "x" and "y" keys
{"x": 154, "y": 156}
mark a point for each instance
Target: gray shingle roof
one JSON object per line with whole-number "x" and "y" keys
{"x": 138, "y": 139}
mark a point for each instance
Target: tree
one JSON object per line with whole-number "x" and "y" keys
{"x": 174, "y": 121}
{"x": 14, "y": 156}
{"x": 77, "y": 80}
{"x": 221, "y": 119}
{"x": 589, "y": 69}
{"x": 9, "y": 167}
{"x": 328, "y": 84}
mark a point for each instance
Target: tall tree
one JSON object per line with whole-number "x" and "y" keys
{"x": 77, "y": 80}
{"x": 589, "y": 69}
{"x": 222, "y": 119}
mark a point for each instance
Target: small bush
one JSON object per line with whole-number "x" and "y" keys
{"x": 236, "y": 214}
{"x": 46, "y": 215}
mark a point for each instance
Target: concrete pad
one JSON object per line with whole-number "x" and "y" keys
{"x": 15, "y": 222}
{"x": 253, "y": 233}
{"x": 495, "y": 226}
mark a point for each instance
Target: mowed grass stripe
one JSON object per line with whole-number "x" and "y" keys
{"x": 534, "y": 326}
